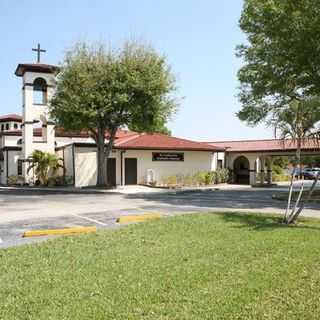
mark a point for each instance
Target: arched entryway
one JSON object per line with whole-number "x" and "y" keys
{"x": 241, "y": 169}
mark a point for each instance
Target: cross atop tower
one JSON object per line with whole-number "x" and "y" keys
{"x": 38, "y": 50}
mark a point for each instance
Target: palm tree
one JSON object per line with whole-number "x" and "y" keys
{"x": 44, "y": 164}
{"x": 300, "y": 123}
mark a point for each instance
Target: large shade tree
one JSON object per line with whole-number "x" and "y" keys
{"x": 102, "y": 90}
{"x": 281, "y": 56}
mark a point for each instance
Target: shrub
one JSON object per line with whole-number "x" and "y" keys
{"x": 44, "y": 165}
{"x": 201, "y": 178}
{"x": 188, "y": 180}
{"x": 15, "y": 180}
{"x": 277, "y": 169}
{"x": 207, "y": 178}
{"x": 179, "y": 179}
{"x": 170, "y": 181}
{"x": 280, "y": 177}
{"x": 222, "y": 175}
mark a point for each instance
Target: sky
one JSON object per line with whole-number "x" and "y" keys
{"x": 198, "y": 37}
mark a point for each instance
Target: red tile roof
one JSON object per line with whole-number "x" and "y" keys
{"x": 11, "y": 117}
{"x": 163, "y": 142}
{"x": 126, "y": 139}
{"x": 60, "y": 132}
{"x": 264, "y": 145}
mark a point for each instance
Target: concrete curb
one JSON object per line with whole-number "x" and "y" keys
{"x": 65, "y": 231}
{"x": 139, "y": 218}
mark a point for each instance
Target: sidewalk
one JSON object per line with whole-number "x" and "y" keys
{"x": 134, "y": 189}
{"x": 87, "y": 190}
{"x": 138, "y": 189}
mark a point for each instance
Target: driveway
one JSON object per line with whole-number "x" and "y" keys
{"x": 29, "y": 210}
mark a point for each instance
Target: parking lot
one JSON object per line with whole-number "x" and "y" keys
{"x": 21, "y": 211}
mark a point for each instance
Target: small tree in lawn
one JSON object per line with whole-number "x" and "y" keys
{"x": 281, "y": 57}
{"x": 102, "y": 90}
{"x": 300, "y": 123}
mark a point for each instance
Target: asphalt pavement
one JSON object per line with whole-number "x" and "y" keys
{"x": 22, "y": 210}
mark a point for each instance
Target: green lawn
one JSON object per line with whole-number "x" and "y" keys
{"x": 283, "y": 195}
{"x": 209, "y": 266}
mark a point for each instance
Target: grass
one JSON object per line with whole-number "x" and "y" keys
{"x": 283, "y": 195}
{"x": 204, "y": 266}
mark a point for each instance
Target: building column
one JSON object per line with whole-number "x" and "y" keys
{"x": 27, "y": 149}
{"x": 253, "y": 177}
{"x": 48, "y": 136}
{"x": 269, "y": 172}
{"x": 262, "y": 170}
{"x": 253, "y": 171}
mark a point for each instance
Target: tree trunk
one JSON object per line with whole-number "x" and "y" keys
{"x": 297, "y": 202}
{"x": 108, "y": 148}
{"x": 299, "y": 157}
{"x": 101, "y": 161}
{"x": 296, "y": 215}
{"x": 285, "y": 219}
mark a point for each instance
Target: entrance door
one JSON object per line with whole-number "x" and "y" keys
{"x": 241, "y": 169}
{"x": 111, "y": 172}
{"x": 130, "y": 170}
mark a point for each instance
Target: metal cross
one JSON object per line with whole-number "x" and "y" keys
{"x": 38, "y": 50}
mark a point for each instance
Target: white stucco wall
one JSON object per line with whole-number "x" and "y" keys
{"x": 2, "y": 172}
{"x": 62, "y": 141}
{"x": 36, "y": 112}
{"x": 194, "y": 161}
{"x": 252, "y": 157}
{"x": 9, "y": 125}
{"x": 67, "y": 155}
{"x": 86, "y": 164}
{"x": 9, "y": 167}
{"x": 11, "y": 141}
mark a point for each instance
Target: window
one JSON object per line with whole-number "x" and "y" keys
{"x": 220, "y": 163}
{"x": 2, "y": 127}
{"x": 19, "y": 167}
{"x": 39, "y": 91}
{"x": 7, "y": 126}
{"x": 15, "y": 126}
{"x": 19, "y": 142}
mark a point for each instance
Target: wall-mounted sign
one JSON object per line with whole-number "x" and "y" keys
{"x": 167, "y": 156}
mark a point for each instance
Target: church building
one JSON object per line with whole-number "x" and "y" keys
{"x": 137, "y": 158}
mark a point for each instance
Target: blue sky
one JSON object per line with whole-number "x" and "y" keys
{"x": 198, "y": 38}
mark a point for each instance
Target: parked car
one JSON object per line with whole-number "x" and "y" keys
{"x": 306, "y": 173}
{"x": 310, "y": 173}
{"x": 316, "y": 172}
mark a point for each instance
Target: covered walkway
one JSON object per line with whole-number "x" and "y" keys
{"x": 250, "y": 161}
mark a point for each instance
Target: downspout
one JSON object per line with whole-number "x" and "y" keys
{"x": 64, "y": 168}
{"x": 7, "y": 165}
{"x": 121, "y": 167}
{"x": 73, "y": 165}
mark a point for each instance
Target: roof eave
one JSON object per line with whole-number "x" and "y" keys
{"x": 24, "y": 67}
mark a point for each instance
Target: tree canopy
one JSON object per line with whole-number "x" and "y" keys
{"x": 102, "y": 90}
{"x": 281, "y": 57}
{"x": 299, "y": 122}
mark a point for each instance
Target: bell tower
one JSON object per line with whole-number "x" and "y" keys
{"x": 38, "y": 85}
